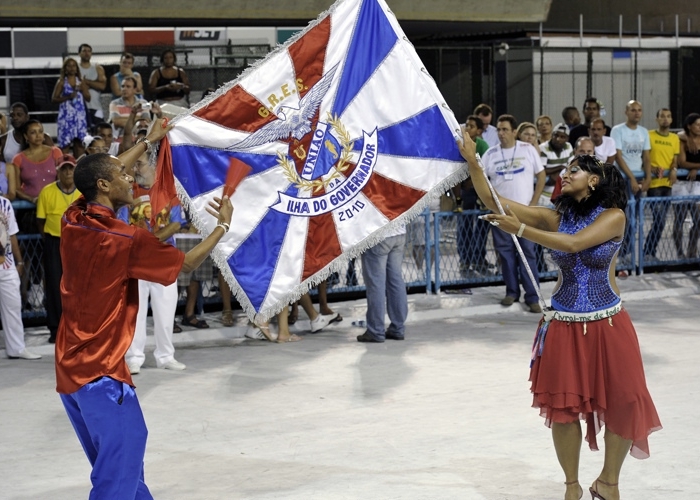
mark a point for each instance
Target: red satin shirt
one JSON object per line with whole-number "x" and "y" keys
{"x": 103, "y": 259}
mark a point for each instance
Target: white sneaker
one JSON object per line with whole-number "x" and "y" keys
{"x": 173, "y": 365}
{"x": 255, "y": 334}
{"x": 319, "y": 323}
{"x": 25, "y": 354}
{"x": 134, "y": 368}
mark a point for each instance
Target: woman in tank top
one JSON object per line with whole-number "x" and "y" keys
{"x": 35, "y": 167}
{"x": 586, "y": 362}
{"x": 169, "y": 84}
{"x": 13, "y": 142}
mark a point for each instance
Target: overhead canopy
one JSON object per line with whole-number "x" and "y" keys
{"x": 269, "y": 10}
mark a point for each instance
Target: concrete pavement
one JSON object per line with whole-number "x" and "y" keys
{"x": 444, "y": 414}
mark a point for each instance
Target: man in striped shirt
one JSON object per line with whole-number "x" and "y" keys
{"x": 556, "y": 154}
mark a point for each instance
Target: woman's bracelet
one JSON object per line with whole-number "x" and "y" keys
{"x": 20, "y": 263}
{"x": 224, "y": 226}
{"x": 521, "y": 230}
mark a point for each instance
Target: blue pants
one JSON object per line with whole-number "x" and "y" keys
{"x": 659, "y": 209}
{"x": 472, "y": 233}
{"x": 386, "y": 290}
{"x": 107, "y": 417}
{"x": 512, "y": 266}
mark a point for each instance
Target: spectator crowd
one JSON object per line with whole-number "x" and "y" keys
{"x": 523, "y": 159}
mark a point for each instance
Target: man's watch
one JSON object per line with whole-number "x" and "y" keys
{"x": 149, "y": 145}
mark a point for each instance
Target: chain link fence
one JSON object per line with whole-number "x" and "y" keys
{"x": 447, "y": 250}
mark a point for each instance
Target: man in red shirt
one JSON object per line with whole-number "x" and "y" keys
{"x": 103, "y": 259}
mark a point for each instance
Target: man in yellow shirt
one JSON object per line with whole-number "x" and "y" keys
{"x": 53, "y": 201}
{"x": 663, "y": 161}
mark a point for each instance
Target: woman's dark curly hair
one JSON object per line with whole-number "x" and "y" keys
{"x": 610, "y": 192}
{"x": 689, "y": 120}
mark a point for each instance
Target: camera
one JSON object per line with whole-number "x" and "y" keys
{"x": 146, "y": 106}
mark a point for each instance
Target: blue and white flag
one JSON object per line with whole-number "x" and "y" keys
{"x": 347, "y": 136}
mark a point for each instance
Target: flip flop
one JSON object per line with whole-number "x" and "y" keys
{"x": 292, "y": 338}
{"x": 194, "y": 322}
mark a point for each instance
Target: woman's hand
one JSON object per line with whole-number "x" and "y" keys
{"x": 467, "y": 147}
{"x": 508, "y": 222}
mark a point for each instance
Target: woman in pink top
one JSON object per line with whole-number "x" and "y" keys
{"x": 35, "y": 167}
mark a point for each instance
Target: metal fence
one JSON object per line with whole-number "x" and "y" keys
{"x": 455, "y": 250}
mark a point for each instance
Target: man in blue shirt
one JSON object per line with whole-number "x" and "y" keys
{"x": 632, "y": 158}
{"x": 633, "y": 146}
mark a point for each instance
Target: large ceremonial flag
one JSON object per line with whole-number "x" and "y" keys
{"x": 347, "y": 136}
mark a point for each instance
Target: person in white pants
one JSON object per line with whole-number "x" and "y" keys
{"x": 10, "y": 299}
{"x": 163, "y": 305}
{"x": 163, "y": 298}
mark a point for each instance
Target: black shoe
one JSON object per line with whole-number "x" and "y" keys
{"x": 394, "y": 336}
{"x": 368, "y": 337}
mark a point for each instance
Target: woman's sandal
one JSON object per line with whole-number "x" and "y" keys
{"x": 575, "y": 481}
{"x": 176, "y": 327}
{"x": 227, "y": 318}
{"x": 594, "y": 492}
{"x": 194, "y": 322}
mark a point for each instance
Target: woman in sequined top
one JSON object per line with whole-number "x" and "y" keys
{"x": 586, "y": 361}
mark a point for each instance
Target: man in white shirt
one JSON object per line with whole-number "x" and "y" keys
{"x": 556, "y": 155}
{"x": 605, "y": 149}
{"x": 512, "y": 166}
{"x": 490, "y": 135}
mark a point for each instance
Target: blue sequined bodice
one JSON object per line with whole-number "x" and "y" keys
{"x": 585, "y": 285}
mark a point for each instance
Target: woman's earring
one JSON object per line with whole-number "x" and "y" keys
{"x": 592, "y": 188}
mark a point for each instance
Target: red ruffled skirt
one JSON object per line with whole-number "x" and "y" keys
{"x": 597, "y": 377}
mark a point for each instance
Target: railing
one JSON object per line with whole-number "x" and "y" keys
{"x": 447, "y": 250}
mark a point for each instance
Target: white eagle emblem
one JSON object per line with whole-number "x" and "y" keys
{"x": 291, "y": 122}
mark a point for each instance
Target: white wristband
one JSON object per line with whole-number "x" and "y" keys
{"x": 521, "y": 230}
{"x": 224, "y": 226}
